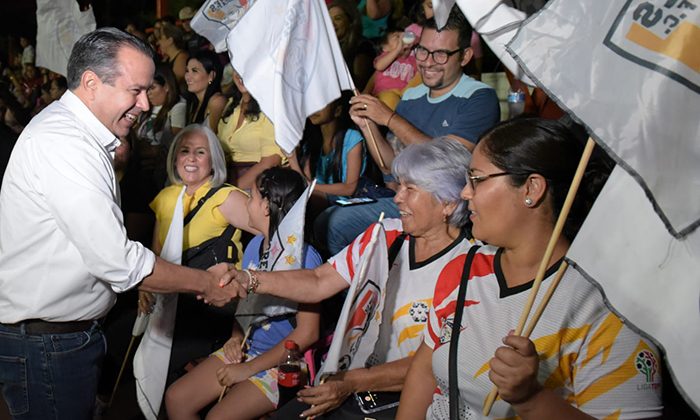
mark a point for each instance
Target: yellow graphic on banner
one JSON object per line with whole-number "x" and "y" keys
{"x": 681, "y": 44}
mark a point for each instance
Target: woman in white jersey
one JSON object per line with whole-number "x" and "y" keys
{"x": 581, "y": 361}
{"x": 433, "y": 217}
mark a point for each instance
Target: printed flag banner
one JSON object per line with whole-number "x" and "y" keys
{"x": 290, "y": 62}
{"x": 216, "y": 18}
{"x": 629, "y": 70}
{"x": 495, "y": 21}
{"x": 59, "y": 25}
{"x": 153, "y": 355}
{"x": 649, "y": 277}
{"x": 358, "y": 326}
{"x": 286, "y": 252}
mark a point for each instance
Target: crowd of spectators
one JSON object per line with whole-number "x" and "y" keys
{"x": 405, "y": 143}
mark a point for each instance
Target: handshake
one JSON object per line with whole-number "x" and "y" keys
{"x": 227, "y": 285}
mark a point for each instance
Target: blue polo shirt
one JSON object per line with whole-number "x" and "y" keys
{"x": 469, "y": 109}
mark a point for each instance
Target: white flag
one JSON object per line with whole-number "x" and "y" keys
{"x": 630, "y": 71}
{"x": 59, "y": 25}
{"x": 495, "y": 21}
{"x": 649, "y": 277}
{"x": 286, "y": 252}
{"x": 288, "y": 55}
{"x": 216, "y": 18}
{"x": 153, "y": 355}
{"x": 358, "y": 326}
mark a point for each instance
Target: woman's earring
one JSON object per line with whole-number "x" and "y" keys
{"x": 444, "y": 218}
{"x": 210, "y": 82}
{"x": 528, "y": 202}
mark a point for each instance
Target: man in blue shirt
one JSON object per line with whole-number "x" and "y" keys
{"x": 447, "y": 104}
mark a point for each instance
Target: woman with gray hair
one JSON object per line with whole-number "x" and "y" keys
{"x": 215, "y": 214}
{"x": 429, "y": 234}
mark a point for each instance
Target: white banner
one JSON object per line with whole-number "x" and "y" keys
{"x": 153, "y": 355}
{"x": 649, "y": 277}
{"x": 496, "y": 22}
{"x": 59, "y": 25}
{"x": 216, "y": 18}
{"x": 630, "y": 71}
{"x": 358, "y": 326}
{"x": 286, "y": 252}
{"x": 288, "y": 55}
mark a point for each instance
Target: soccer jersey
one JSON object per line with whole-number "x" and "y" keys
{"x": 408, "y": 292}
{"x": 587, "y": 355}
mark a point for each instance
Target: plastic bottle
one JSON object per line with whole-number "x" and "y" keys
{"x": 516, "y": 103}
{"x": 289, "y": 373}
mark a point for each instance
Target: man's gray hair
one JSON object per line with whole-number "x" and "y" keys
{"x": 218, "y": 160}
{"x": 440, "y": 167}
{"x": 97, "y": 51}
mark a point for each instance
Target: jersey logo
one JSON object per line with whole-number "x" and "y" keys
{"x": 419, "y": 312}
{"x": 446, "y": 330}
{"x": 445, "y": 123}
{"x": 647, "y": 365}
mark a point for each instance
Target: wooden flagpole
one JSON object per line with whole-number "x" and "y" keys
{"x": 245, "y": 337}
{"x": 382, "y": 165}
{"x": 548, "y": 254}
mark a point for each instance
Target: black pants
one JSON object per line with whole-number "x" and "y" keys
{"x": 349, "y": 410}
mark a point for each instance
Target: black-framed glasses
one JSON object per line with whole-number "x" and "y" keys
{"x": 475, "y": 180}
{"x": 439, "y": 56}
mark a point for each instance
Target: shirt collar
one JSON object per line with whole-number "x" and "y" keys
{"x": 98, "y": 130}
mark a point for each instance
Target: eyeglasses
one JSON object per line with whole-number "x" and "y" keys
{"x": 476, "y": 180}
{"x": 439, "y": 56}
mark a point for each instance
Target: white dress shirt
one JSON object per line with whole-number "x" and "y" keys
{"x": 63, "y": 246}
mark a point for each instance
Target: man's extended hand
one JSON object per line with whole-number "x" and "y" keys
{"x": 218, "y": 293}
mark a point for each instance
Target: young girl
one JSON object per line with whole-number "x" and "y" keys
{"x": 251, "y": 377}
{"x": 333, "y": 152}
{"x": 395, "y": 66}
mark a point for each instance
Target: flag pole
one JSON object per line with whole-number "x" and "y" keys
{"x": 548, "y": 254}
{"x": 245, "y": 337}
{"x": 382, "y": 165}
{"x": 121, "y": 371}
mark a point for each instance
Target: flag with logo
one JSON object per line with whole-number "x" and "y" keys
{"x": 216, "y": 18}
{"x": 285, "y": 252}
{"x": 494, "y": 20}
{"x": 153, "y": 355}
{"x": 630, "y": 72}
{"x": 288, "y": 56}
{"x": 358, "y": 326}
{"x": 59, "y": 25}
{"x": 651, "y": 279}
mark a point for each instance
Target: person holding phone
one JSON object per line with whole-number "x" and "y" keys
{"x": 430, "y": 233}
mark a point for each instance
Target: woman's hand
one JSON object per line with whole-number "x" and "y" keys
{"x": 327, "y": 396}
{"x": 233, "y": 349}
{"x": 230, "y": 375}
{"x": 514, "y": 370}
{"x": 146, "y": 303}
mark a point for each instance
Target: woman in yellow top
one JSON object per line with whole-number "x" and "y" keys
{"x": 247, "y": 137}
{"x": 196, "y": 160}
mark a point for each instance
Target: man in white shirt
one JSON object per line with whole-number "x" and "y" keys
{"x": 64, "y": 253}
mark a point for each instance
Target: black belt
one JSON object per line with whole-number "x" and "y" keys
{"x": 38, "y": 326}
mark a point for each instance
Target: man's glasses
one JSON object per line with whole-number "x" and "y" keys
{"x": 478, "y": 179}
{"x": 439, "y": 56}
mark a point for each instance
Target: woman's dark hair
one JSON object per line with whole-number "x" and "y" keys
{"x": 282, "y": 188}
{"x": 252, "y": 111}
{"x": 165, "y": 77}
{"x": 210, "y": 61}
{"x": 525, "y": 146}
{"x": 61, "y": 82}
{"x": 312, "y": 141}
{"x": 169, "y": 30}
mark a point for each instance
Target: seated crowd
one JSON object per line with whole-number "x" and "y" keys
{"x": 463, "y": 195}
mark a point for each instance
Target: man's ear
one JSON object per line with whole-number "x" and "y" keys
{"x": 90, "y": 82}
{"x": 467, "y": 56}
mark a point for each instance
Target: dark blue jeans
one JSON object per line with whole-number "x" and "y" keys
{"x": 51, "y": 376}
